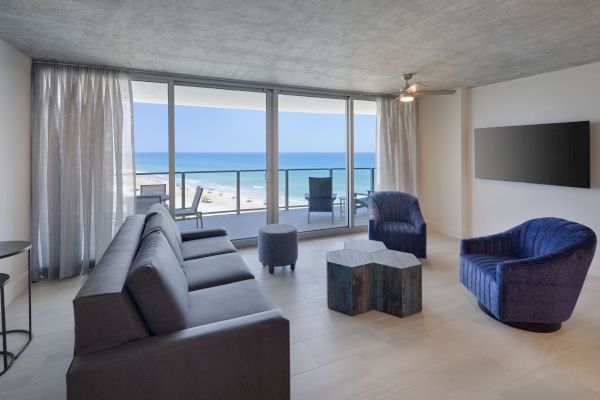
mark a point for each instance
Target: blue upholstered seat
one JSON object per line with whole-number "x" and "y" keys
{"x": 532, "y": 273}
{"x": 395, "y": 219}
{"x": 479, "y": 276}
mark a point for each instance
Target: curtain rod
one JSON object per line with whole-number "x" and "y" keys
{"x": 222, "y": 81}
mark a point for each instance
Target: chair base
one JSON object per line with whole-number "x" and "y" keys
{"x": 526, "y": 326}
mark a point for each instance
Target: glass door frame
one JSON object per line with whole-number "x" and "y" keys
{"x": 272, "y": 137}
{"x": 349, "y": 159}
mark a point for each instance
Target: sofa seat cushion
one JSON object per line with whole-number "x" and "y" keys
{"x": 226, "y": 302}
{"x": 162, "y": 221}
{"x": 202, "y": 273}
{"x": 158, "y": 286}
{"x": 206, "y": 247}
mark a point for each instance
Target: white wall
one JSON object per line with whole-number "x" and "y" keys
{"x": 446, "y": 126}
{"x": 439, "y": 147}
{"x": 568, "y": 95}
{"x": 15, "y": 161}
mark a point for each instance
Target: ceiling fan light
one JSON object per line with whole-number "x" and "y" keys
{"x": 407, "y": 98}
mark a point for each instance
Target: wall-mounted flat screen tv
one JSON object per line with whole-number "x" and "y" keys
{"x": 550, "y": 154}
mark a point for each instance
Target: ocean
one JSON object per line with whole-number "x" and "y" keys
{"x": 253, "y": 184}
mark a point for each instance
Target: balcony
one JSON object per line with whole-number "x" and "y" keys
{"x": 239, "y": 208}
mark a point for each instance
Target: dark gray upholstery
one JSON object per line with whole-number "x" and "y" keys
{"x": 241, "y": 358}
{"x": 229, "y": 342}
{"x": 226, "y": 302}
{"x": 202, "y": 233}
{"x": 278, "y": 245}
{"x": 105, "y": 315}
{"x": 207, "y": 247}
{"x": 157, "y": 209}
{"x": 160, "y": 221}
{"x": 217, "y": 270}
{"x": 158, "y": 286}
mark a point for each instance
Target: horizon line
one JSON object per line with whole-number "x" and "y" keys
{"x": 251, "y": 152}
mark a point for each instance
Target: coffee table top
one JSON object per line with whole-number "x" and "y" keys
{"x": 360, "y": 252}
{"x": 395, "y": 259}
{"x": 349, "y": 258}
{"x": 364, "y": 245}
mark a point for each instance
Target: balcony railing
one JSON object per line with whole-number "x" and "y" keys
{"x": 238, "y": 175}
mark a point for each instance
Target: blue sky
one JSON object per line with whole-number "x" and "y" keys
{"x": 200, "y": 129}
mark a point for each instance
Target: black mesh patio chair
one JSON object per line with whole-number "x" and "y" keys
{"x": 193, "y": 210}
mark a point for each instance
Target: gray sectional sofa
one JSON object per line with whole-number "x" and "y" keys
{"x": 170, "y": 315}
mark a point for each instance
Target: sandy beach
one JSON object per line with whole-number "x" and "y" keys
{"x": 214, "y": 198}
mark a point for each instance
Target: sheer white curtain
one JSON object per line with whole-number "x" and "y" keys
{"x": 83, "y": 179}
{"x": 396, "y": 149}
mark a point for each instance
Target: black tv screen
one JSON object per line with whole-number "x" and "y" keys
{"x": 550, "y": 154}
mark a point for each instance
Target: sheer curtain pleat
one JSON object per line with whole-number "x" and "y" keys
{"x": 396, "y": 147}
{"x": 82, "y": 152}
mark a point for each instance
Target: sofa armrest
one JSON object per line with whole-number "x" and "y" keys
{"x": 499, "y": 244}
{"x": 246, "y": 357}
{"x": 202, "y": 234}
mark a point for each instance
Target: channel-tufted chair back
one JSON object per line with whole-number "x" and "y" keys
{"x": 542, "y": 236}
{"x": 392, "y": 206}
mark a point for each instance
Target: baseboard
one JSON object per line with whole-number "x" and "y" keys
{"x": 320, "y": 233}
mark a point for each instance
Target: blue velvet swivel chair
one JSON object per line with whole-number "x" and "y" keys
{"x": 395, "y": 219}
{"x": 530, "y": 276}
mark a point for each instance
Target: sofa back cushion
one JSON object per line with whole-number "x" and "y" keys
{"x": 159, "y": 219}
{"x": 105, "y": 315}
{"x": 158, "y": 286}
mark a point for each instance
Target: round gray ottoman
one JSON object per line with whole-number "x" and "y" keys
{"x": 278, "y": 246}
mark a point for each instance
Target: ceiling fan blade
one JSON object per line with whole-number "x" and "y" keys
{"x": 412, "y": 88}
{"x": 431, "y": 92}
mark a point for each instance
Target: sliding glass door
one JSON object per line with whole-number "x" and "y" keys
{"x": 239, "y": 158}
{"x": 312, "y": 162}
{"x": 220, "y": 159}
{"x": 151, "y": 130}
{"x": 365, "y": 126}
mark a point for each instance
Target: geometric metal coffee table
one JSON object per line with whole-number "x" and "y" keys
{"x": 366, "y": 276}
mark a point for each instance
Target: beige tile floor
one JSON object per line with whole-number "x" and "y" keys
{"x": 449, "y": 351}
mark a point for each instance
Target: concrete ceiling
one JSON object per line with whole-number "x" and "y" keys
{"x": 358, "y": 45}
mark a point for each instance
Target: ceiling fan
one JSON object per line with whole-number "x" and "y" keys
{"x": 409, "y": 92}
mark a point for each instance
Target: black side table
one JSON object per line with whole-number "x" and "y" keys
{"x": 9, "y": 249}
